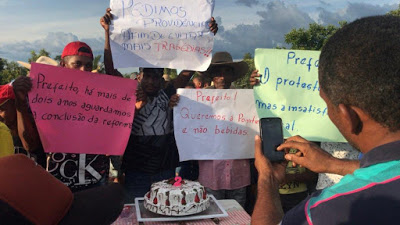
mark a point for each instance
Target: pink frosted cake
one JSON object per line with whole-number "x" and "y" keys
{"x": 166, "y": 199}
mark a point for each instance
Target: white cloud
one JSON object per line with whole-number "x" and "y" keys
{"x": 53, "y": 42}
{"x": 248, "y": 3}
{"x": 352, "y": 12}
{"x": 277, "y": 19}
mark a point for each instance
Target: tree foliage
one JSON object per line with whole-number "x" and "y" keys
{"x": 98, "y": 65}
{"x": 10, "y": 70}
{"x": 395, "y": 12}
{"x": 312, "y": 38}
{"x": 171, "y": 72}
{"x": 35, "y": 56}
{"x": 244, "y": 82}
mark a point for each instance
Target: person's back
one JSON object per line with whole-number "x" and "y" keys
{"x": 368, "y": 196}
{"x": 360, "y": 82}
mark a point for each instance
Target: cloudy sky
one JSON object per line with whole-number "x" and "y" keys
{"x": 244, "y": 24}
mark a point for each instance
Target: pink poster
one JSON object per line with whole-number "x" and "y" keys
{"x": 81, "y": 112}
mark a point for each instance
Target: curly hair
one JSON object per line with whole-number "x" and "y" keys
{"x": 360, "y": 66}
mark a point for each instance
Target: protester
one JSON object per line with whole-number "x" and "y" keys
{"x": 16, "y": 116}
{"x": 151, "y": 154}
{"x": 30, "y": 195}
{"x": 364, "y": 106}
{"x": 77, "y": 171}
{"x": 225, "y": 179}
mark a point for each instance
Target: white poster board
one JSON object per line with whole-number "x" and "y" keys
{"x": 165, "y": 34}
{"x": 215, "y": 124}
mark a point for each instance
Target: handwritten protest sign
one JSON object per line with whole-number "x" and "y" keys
{"x": 81, "y": 112}
{"x": 290, "y": 89}
{"x": 215, "y": 124}
{"x": 166, "y": 34}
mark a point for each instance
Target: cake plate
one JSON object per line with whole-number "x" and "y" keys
{"x": 214, "y": 211}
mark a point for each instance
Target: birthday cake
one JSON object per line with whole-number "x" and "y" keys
{"x": 176, "y": 198}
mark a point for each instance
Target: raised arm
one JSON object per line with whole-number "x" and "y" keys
{"x": 105, "y": 22}
{"x": 27, "y": 130}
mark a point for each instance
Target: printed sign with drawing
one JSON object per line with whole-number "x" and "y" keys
{"x": 215, "y": 124}
{"x": 289, "y": 89}
{"x": 165, "y": 34}
{"x": 81, "y": 112}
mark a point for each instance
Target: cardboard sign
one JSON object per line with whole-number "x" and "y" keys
{"x": 215, "y": 124}
{"x": 81, "y": 112}
{"x": 289, "y": 89}
{"x": 164, "y": 34}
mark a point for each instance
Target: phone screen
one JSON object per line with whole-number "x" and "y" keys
{"x": 272, "y": 136}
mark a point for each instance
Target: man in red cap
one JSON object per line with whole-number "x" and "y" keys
{"x": 77, "y": 171}
{"x": 77, "y": 55}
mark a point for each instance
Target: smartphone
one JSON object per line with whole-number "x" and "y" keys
{"x": 272, "y": 136}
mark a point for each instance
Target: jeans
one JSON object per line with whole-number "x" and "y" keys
{"x": 137, "y": 184}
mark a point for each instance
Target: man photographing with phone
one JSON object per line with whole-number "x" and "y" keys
{"x": 360, "y": 83}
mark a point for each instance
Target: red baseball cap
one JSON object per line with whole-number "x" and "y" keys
{"x": 75, "y": 48}
{"x": 6, "y": 93}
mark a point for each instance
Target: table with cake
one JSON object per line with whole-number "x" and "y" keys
{"x": 177, "y": 201}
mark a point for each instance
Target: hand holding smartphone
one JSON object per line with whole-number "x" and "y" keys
{"x": 272, "y": 136}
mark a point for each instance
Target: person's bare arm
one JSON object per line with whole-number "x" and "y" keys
{"x": 105, "y": 22}
{"x": 314, "y": 158}
{"x": 27, "y": 131}
{"x": 268, "y": 208}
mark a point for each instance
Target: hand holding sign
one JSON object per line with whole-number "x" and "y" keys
{"x": 172, "y": 34}
{"x": 289, "y": 89}
{"x": 81, "y": 112}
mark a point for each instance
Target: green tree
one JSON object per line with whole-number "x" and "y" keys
{"x": 312, "y": 38}
{"x": 171, "y": 72}
{"x": 57, "y": 58}
{"x": 247, "y": 56}
{"x": 97, "y": 65}
{"x": 2, "y": 64}
{"x": 244, "y": 82}
{"x": 395, "y": 12}
{"x": 10, "y": 70}
{"x": 35, "y": 56}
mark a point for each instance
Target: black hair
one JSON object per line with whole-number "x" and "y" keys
{"x": 190, "y": 84}
{"x": 204, "y": 79}
{"x": 360, "y": 66}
